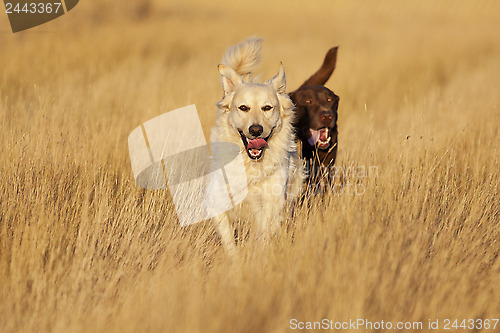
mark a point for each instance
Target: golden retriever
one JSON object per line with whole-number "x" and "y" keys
{"x": 258, "y": 118}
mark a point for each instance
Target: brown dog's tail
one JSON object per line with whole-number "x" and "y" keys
{"x": 325, "y": 71}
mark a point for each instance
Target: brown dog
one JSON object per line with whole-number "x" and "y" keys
{"x": 316, "y": 123}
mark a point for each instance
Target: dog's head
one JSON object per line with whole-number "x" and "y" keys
{"x": 255, "y": 111}
{"x": 316, "y": 108}
{"x": 316, "y": 115}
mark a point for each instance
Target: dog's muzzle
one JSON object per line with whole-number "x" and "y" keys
{"x": 255, "y": 147}
{"x": 321, "y": 137}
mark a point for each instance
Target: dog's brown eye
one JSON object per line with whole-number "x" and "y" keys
{"x": 329, "y": 99}
{"x": 308, "y": 101}
{"x": 243, "y": 108}
{"x": 267, "y": 108}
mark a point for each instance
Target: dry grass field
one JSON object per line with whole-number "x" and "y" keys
{"x": 415, "y": 236}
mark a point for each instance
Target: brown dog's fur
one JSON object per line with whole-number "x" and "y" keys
{"x": 316, "y": 108}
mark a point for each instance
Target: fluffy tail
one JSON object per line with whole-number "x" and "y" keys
{"x": 244, "y": 57}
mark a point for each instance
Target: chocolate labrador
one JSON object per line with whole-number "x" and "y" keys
{"x": 316, "y": 123}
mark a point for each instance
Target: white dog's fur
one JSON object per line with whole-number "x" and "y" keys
{"x": 276, "y": 177}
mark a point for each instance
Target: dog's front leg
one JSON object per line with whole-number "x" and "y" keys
{"x": 268, "y": 219}
{"x": 223, "y": 228}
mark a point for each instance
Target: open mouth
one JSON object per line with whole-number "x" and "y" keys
{"x": 254, "y": 147}
{"x": 321, "y": 138}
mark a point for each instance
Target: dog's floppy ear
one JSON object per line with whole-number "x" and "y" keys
{"x": 229, "y": 78}
{"x": 325, "y": 71}
{"x": 279, "y": 81}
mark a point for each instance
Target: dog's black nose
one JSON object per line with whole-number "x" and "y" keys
{"x": 255, "y": 130}
{"x": 326, "y": 116}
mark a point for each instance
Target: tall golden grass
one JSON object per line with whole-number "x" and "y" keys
{"x": 416, "y": 237}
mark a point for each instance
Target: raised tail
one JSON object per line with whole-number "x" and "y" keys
{"x": 325, "y": 71}
{"x": 244, "y": 57}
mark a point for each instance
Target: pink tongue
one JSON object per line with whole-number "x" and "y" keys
{"x": 256, "y": 144}
{"x": 314, "y": 137}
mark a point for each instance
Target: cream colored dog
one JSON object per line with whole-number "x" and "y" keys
{"x": 257, "y": 117}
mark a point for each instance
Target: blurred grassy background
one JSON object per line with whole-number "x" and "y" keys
{"x": 83, "y": 249}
